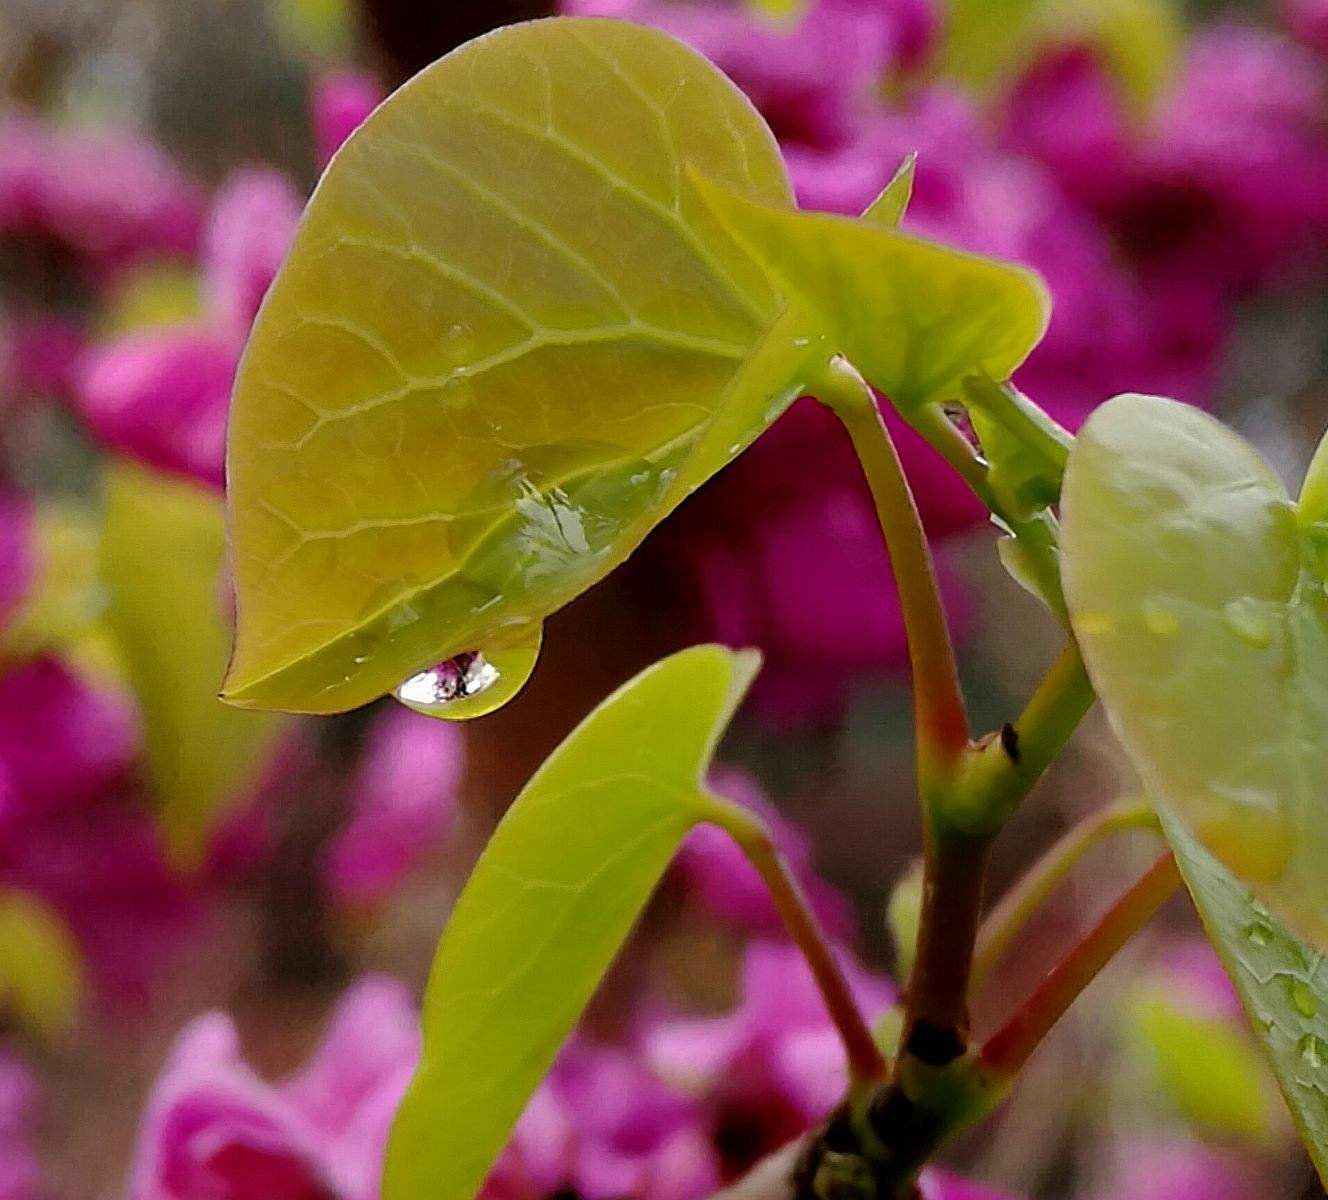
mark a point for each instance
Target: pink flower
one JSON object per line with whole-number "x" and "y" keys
{"x": 1193, "y": 974}
{"x": 1308, "y": 20}
{"x": 770, "y": 1068}
{"x": 72, "y": 833}
{"x": 213, "y": 1128}
{"x": 719, "y": 875}
{"x": 20, "y": 1172}
{"x": 18, "y": 566}
{"x": 1178, "y": 1170}
{"x": 339, "y": 102}
{"x": 603, "y": 1127}
{"x": 162, "y": 395}
{"x": 941, "y": 1185}
{"x": 405, "y": 795}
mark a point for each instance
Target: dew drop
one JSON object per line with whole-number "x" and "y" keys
{"x": 1314, "y": 1050}
{"x": 1160, "y": 618}
{"x": 1258, "y": 934}
{"x": 1248, "y": 621}
{"x": 1302, "y": 999}
{"x": 453, "y": 679}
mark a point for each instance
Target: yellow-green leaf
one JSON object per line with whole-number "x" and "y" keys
{"x": 550, "y": 901}
{"x": 41, "y": 970}
{"x": 1283, "y": 984}
{"x": 508, "y": 339}
{"x": 889, "y": 207}
{"x": 1205, "y": 630}
{"x": 913, "y": 316}
{"x": 163, "y": 552}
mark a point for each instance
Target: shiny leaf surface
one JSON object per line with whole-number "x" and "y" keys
{"x": 549, "y": 903}
{"x": 508, "y": 339}
{"x": 1283, "y": 984}
{"x": 914, "y": 317}
{"x": 1205, "y": 632}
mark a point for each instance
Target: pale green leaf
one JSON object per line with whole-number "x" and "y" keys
{"x": 41, "y": 969}
{"x": 914, "y": 317}
{"x": 162, "y": 554}
{"x": 889, "y": 207}
{"x": 1206, "y": 636}
{"x": 508, "y": 339}
{"x": 549, "y": 903}
{"x": 1282, "y": 982}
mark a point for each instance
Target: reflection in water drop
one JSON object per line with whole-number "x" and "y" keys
{"x": 1248, "y": 621}
{"x": 454, "y": 679}
{"x": 1314, "y": 1050}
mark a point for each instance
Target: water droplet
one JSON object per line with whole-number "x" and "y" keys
{"x": 453, "y": 679}
{"x": 1302, "y": 998}
{"x": 1314, "y": 1050}
{"x": 1259, "y": 934}
{"x": 1160, "y": 618}
{"x": 474, "y": 683}
{"x": 1249, "y": 621}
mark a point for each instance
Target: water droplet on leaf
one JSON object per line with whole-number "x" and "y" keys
{"x": 1258, "y": 934}
{"x": 1302, "y": 998}
{"x": 1248, "y": 621}
{"x": 471, "y": 684}
{"x": 1314, "y": 1050}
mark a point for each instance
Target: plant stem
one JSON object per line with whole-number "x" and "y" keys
{"x": 866, "y": 1064}
{"x": 1015, "y": 908}
{"x": 1000, "y": 773}
{"x": 942, "y": 724}
{"x": 1007, "y": 1050}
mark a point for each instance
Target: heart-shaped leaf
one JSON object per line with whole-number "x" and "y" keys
{"x": 1282, "y": 982}
{"x": 550, "y": 901}
{"x": 508, "y": 339}
{"x": 914, "y": 317}
{"x": 1204, "y": 627}
{"x": 163, "y": 550}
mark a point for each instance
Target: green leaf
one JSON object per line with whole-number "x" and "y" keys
{"x": 1206, "y": 636}
{"x": 41, "y": 970}
{"x": 1205, "y": 1065}
{"x": 888, "y": 208}
{"x": 163, "y": 552}
{"x": 550, "y": 902}
{"x": 1282, "y": 983}
{"x": 913, "y": 316}
{"x": 507, "y": 341}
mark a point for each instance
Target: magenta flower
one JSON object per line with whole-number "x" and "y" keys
{"x": 405, "y": 795}
{"x": 718, "y": 874}
{"x": 770, "y": 1068}
{"x": 73, "y": 833}
{"x": 338, "y": 104}
{"x": 1178, "y": 1170}
{"x": 162, "y": 395}
{"x": 213, "y": 1128}
{"x": 1308, "y": 20}
{"x": 941, "y": 1185}
{"x": 18, "y": 566}
{"x": 20, "y": 1172}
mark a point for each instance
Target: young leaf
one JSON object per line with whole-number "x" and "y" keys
{"x": 1206, "y": 636}
{"x": 1281, "y": 982}
{"x": 507, "y": 341}
{"x": 163, "y": 550}
{"x": 913, "y": 316}
{"x": 550, "y": 901}
{"x": 41, "y": 970}
{"x": 888, "y": 209}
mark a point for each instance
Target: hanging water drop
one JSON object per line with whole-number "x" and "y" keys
{"x": 453, "y": 679}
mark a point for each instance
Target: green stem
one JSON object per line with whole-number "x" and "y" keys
{"x": 1012, "y": 913}
{"x": 1008, "y": 1049}
{"x": 942, "y": 724}
{"x": 866, "y": 1064}
{"x": 1001, "y": 772}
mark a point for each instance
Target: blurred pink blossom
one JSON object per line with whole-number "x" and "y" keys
{"x": 18, "y": 565}
{"x": 1308, "y": 20}
{"x": 338, "y": 104}
{"x": 73, "y": 833}
{"x": 718, "y": 874}
{"x": 405, "y": 794}
{"x": 941, "y": 1185}
{"x": 214, "y": 1128}
{"x": 771, "y": 1067}
{"x": 162, "y": 395}
{"x": 1178, "y": 1170}
{"x": 20, "y": 1172}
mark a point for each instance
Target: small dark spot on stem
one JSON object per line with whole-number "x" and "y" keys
{"x": 934, "y": 1045}
{"x": 1010, "y": 741}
